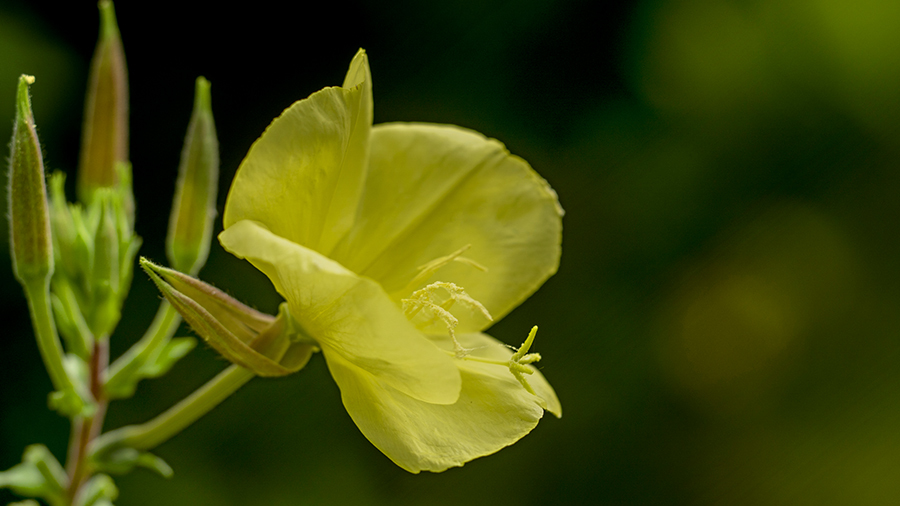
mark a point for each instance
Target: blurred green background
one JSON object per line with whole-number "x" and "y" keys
{"x": 724, "y": 326}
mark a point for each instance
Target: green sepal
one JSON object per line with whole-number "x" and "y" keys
{"x": 123, "y": 386}
{"x": 39, "y": 475}
{"x": 98, "y": 491}
{"x": 121, "y": 460}
{"x": 242, "y": 335}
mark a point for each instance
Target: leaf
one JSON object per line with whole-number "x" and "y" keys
{"x": 98, "y": 491}
{"x": 124, "y": 460}
{"x": 156, "y": 366}
{"x": 39, "y": 475}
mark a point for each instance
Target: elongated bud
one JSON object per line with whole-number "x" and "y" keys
{"x": 254, "y": 340}
{"x": 31, "y": 244}
{"x": 194, "y": 207}
{"x": 105, "y": 280}
{"x": 105, "y": 133}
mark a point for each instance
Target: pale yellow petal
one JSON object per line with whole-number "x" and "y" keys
{"x": 493, "y": 411}
{"x": 349, "y": 315}
{"x": 434, "y": 189}
{"x": 303, "y": 177}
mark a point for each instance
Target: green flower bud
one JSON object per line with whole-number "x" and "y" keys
{"x": 31, "y": 244}
{"x": 105, "y": 132}
{"x": 62, "y": 225}
{"x": 105, "y": 281}
{"x": 112, "y": 249}
{"x": 194, "y": 207}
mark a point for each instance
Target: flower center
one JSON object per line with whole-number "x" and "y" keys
{"x": 432, "y": 303}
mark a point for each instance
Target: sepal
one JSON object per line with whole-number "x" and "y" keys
{"x": 265, "y": 345}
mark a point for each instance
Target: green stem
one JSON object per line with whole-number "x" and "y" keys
{"x": 150, "y": 434}
{"x": 38, "y": 294}
{"x": 164, "y": 325}
{"x": 86, "y": 429}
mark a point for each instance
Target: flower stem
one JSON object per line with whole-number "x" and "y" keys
{"x": 86, "y": 429}
{"x": 38, "y": 294}
{"x": 150, "y": 434}
{"x": 164, "y": 325}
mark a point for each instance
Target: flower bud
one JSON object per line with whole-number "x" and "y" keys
{"x": 105, "y": 282}
{"x": 31, "y": 244}
{"x": 104, "y": 141}
{"x": 194, "y": 207}
{"x": 63, "y": 226}
{"x": 257, "y": 341}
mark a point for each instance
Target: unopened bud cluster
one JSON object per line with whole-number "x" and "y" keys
{"x": 95, "y": 248}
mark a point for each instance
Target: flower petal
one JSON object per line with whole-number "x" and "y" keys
{"x": 493, "y": 411}
{"x": 433, "y": 189}
{"x": 304, "y": 175}
{"x": 349, "y": 315}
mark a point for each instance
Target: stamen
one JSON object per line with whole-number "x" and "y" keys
{"x": 426, "y": 270}
{"x": 427, "y": 299}
{"x": 435, "y": 300}
{"x": 457, "y": 294}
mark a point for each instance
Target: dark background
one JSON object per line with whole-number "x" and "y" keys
{"x": 724, "y": 326}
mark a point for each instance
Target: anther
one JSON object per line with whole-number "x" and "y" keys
{"x": 426, "y": 270}
{"x": 426, "y": 299}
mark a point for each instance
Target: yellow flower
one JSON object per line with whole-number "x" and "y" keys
{"x": 395, "y": 246}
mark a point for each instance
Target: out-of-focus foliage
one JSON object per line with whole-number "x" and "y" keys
{"x": 723, "y": 328}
